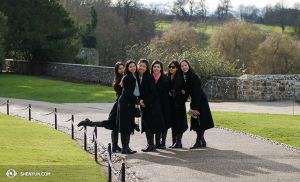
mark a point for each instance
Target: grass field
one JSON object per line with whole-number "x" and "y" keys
{"x": 277, "y": 29}
{"x": 277, "y": 127}
{"x": 31, "y": 147}
{"x": 33, "y": 88}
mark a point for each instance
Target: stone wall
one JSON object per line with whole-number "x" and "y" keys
{"x": 258, "y": 87}
{"x": 100, "y": 74}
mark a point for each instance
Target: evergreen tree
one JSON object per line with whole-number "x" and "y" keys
{"x": 88, "y": 38}
{"x": 2, "y": 32}
{"x": 39, "y": 31}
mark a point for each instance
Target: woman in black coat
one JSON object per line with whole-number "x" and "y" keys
{"x": 177, "y": 98}
{"x": 199, "y": 103}
{"x": 111, "y": 122}
{"x": 152, "y": 117}
{"x": 162, "y": 84}
{"x": 126, "y": 105}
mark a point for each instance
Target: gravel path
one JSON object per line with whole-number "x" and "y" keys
{"x": 229, "y": 155}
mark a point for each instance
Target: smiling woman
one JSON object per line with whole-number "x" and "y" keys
{"x": 33, "y": 88}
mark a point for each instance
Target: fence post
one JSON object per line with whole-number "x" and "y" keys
{"x": 109, "y": 167}
{"x": 29, "y": 112}
{"x": 95, "y": 144}
{"x": 72, "y": 126}
{"x": 55, "y": 119}
{"x": 123, "y": 172}
{"x": 7, "y": 107}
{"x": 85, "y": 138}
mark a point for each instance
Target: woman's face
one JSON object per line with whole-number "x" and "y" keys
{"x": 132, "y": 68}
{"x": 184, "y": 67}
{"x": 156, "y": 69}
{"x": 121, "y": 69}
{"x": 173, "y": 68}
{"x": 142, "y": 68}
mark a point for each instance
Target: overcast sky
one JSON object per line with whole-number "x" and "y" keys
{"x": 212, "y": 4}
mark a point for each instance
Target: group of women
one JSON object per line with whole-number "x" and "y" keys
{"x": 161, "y": 99}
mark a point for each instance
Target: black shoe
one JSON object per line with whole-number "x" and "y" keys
{"x": 149, "y": 148}
{"x": 116, "y": 149}
{"x": 177, "y": 145}
{"x": 197, "y": 145}
{"x": 162, "y": 146}
{"x": 86, "y": 122}
{"x": 203, "y": 142}
{"x": 127, "y": 150}
{"x": 178, "y": 142}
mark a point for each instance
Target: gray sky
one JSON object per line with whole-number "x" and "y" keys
{"x": 212, "y": 4}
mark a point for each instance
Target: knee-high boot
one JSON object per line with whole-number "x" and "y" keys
{"x": 199, "y": 143}
{"x": 150, "y": 141}
{"x": 163, "y": 140}
{"x": 87, "y": 122}
{"x": 178, "y": 142}
{"x": 114, "y": 141}
{"x": 174, "y": 138}
{"x": 157, "y": 140}
{"x": 125, "y": 138}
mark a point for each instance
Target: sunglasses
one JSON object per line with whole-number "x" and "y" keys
{"x": 173, "y": 67}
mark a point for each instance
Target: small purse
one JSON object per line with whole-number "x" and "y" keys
{"x": 137, "y": 111}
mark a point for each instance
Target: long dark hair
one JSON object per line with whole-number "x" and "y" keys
{"x": 127, "y": 72}
{"x": 147, "y": 65}
{"x": 161, "y": 66}
{"x": 191, "y": 70}
{"x": 117, "y": 75}
{"x": 178, "y": 78}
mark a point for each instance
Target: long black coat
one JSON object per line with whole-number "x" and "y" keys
{"x": 152, "y": 116}
{"x": 163, "y": 87}
{"x": 126, "y": 106}
{"x": 178, "y": 109}
{"x": 199, "y": 102}
{"x": 112, "y": 118}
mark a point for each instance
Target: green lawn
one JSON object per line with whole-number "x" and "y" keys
{"x": 31, "y": 147}
{"x": 277, "y": 127}
{"x": 277, "y": 29}
{"x": 33, "y": 88}
{"x": 162, "y": 25}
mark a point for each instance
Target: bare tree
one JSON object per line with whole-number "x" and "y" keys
{"x": 179, "y": 9}
{"x": 236, "y": 41}
{"x": 278, "y": 54}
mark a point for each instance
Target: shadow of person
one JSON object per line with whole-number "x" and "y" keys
{"x": 228, "y": 163}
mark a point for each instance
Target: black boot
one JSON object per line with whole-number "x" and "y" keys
{"x": 114, "y": 141}
{"x": 174, "y": 139}
{"x": 178, "y": 142}
{"x": 157, "y": 140}
{"x": 199, "y": 143}
{"x": 125, "y": 138}
{"x": 87, "y": 122}
{"x": 150, "y": 140}
{"x": 203, "y": 140}
{"x": 163, "y": 140}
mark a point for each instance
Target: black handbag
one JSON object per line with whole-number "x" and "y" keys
{"x": 137, "y": 111}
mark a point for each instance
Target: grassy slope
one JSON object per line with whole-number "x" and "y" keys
{"x": 30, "y": 147}
{"x": 33, "y": 88}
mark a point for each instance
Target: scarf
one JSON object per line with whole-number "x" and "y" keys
{"x": 156, "y": 77}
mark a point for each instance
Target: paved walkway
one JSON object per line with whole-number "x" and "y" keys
{"x": 229, "y": 156}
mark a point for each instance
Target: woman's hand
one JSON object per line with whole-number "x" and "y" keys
{"x": 196, "y": 113}
{"x": 170, "y": 93}
{"x": 142, "y": 103}
{"x": 183, "y": 91}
